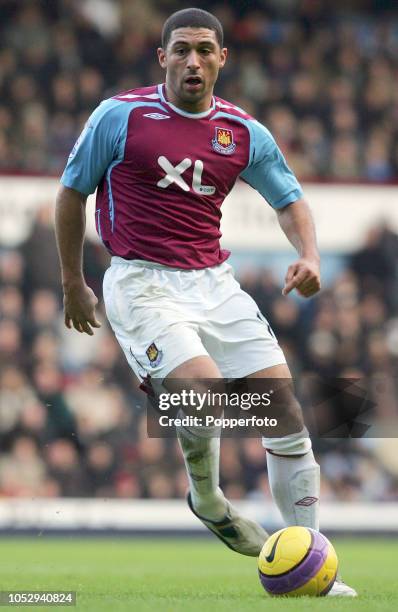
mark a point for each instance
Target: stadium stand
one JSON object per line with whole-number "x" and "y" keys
{"x": 72, "y": 418}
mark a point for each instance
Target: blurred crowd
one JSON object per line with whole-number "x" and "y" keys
{"x": 322, "y": 76}
{"x": 72, "y": 416}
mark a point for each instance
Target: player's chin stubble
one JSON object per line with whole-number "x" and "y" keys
{"x": 191, "y": 96}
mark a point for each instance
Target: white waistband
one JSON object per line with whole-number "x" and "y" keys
{"x": 144, "y": 263}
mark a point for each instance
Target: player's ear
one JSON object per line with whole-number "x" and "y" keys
{"x": 162, "y": 57}
{"x": 223, "y": 56}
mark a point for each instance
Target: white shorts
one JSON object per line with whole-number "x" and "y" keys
{"x": 165, "y": 316}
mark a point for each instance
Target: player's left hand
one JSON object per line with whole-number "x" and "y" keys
{"x": 304, "y": 276}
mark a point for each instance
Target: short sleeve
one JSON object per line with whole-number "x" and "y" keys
{"x": 267, "y": 171}
{"x": 96, "y": 147}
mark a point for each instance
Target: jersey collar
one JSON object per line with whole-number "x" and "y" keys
{"x": 179, "y": 111}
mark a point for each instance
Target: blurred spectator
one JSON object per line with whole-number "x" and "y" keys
{"x": 12, "y": 268}
{"x": 66, "y": 469}
{"x": 15, "y": 394}
{"x": 11, "y": 349}
{"x": 22, "y": 471}
{"x": 100, "y": 469}
{"x": 11, "y": 303}
{"x": 376, "y": 264}
{"x": 40, "y": 252}
{"x": 98, "y": 409}
{"x": 60, "y": 421}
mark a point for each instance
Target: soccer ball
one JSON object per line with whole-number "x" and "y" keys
{"x": 297, "y": 561}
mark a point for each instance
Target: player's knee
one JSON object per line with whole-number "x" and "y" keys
{"x": 294, "y": 444}
{"x": 289, "y": 416}
{"x": 294, "y": 416}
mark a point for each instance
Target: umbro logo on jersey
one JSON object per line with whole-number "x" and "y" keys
{"x": 157, "y": 116}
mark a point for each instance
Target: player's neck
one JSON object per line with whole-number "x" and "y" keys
{"x": 200, "y": 106}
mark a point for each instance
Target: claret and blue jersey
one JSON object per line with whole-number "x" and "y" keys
{"x": 162, "y": 174}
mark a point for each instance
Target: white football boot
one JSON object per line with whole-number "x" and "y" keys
{"x": 237, "y": 532}
{"x": 341, "y": 589}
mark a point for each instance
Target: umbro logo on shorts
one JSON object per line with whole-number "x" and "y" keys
{"x": 157, "y": 116}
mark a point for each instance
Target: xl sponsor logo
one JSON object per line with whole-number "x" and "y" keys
{"x": 174, "y": 175}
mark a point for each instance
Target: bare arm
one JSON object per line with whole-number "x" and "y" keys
{"x": 303, "y": 275}
{"x": 70, "y": 224}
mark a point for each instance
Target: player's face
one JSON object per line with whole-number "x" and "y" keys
{"x": 192, "y": 61}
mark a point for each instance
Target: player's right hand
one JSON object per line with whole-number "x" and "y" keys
{"x": 79, "y": 308}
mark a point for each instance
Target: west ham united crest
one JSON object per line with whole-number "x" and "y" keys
{"x": 223, "y": 141}
{"x": 154, "y": 355}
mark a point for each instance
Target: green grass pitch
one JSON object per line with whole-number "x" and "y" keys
{"x": 187, "y": 575}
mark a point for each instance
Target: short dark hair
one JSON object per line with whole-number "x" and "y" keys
{"x": 192, "y": 18}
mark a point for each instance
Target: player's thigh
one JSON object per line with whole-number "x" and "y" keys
{"x": 284, "y": 402}
{"x": 199, "y": 375}
{"x": 198, "y": 368}
{"x": 278, "y": 371}
{"x": 155, "y": 334}
{"x": 238, "y": 336}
